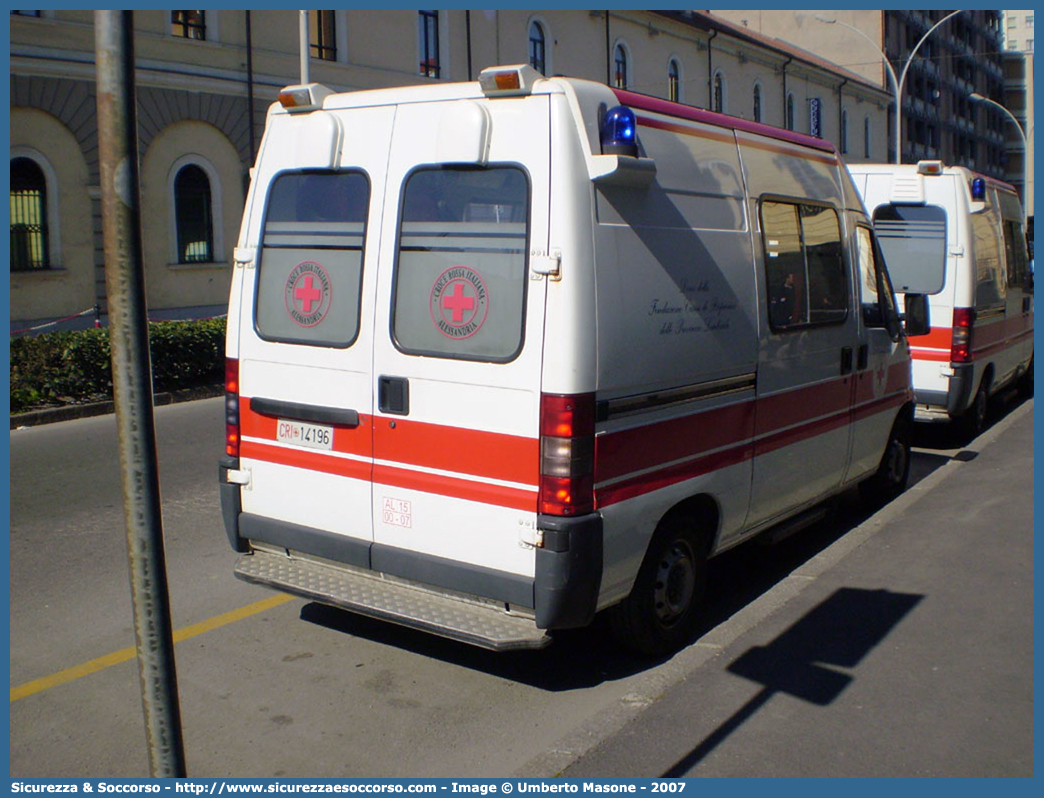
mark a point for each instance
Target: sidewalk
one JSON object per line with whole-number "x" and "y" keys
{"x": 908, "y": 652}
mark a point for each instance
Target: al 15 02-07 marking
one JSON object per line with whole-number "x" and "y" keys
{"x": 397, "y": 512}
{"x": 314, "y": 436}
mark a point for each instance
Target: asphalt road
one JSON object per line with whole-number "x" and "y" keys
{"x": 289, "y": 688}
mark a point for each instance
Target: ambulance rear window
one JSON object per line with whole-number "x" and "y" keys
{"x": 310, "y": 268}
{"x": 913, "y": 240}
{"x": 460, "y": 282}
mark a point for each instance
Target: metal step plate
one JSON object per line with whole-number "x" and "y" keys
{"x": 377, "y": 597}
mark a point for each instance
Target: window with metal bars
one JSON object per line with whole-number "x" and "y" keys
{"x": 428, "y": 44}
{"x": 537, "y": 48}
{"x": 321, "y": 35}
{"x": 189, "y": 24}
{"x": 28, "y": 216}
{"x": 719, "y": 93}
{"x": 192, "y": 213}
{"x": 620, "y": 67}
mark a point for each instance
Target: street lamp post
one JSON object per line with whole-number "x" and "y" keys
{"x": 897, "y": 84}
{"x": 978, "y": 98}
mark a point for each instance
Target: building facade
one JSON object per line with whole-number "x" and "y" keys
{"x": 204, "y": 80}
{"x": 1018, "y": 31}
{"x": 959, "y": 58}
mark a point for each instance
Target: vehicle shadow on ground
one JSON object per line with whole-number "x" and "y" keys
{"x": 588, "y": 657}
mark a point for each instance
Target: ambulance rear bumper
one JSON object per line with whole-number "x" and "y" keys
{"x": 408, "y": 604}
{"x": 413, "y": 589}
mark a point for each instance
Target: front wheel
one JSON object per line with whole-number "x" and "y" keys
{"x": 661, "y": 613}
{"x": 1026, "y": 382}
{"x": 893, "y": 474}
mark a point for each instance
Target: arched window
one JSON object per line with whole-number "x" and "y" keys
{"x": 620, "y": 67}
{"x": 673, "y": 81}
{"x": 193, "y": 217}
{"x": 790, "y": 111}
{"x": 844, "y": 131}
{"x": 757, "y": 102}
{"x": 537, "y": 48}
{"x": 29, "y": 249}
{"x": 719, "y": 93}
{"x": 428, "y": 44}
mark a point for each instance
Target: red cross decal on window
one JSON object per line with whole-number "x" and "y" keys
{"x": 307, "y": 294}
{"x": 458, "y": 303}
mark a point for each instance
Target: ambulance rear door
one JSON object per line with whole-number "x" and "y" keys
{"x": 306, "y": 347}
{"x": 457, "y": 346}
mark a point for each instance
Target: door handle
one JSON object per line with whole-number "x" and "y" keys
{"x": 393, "y": 395}
{"x": 846, "y": 360}
{"x": 300, "y": 412}
{"x": 864, "y": 358}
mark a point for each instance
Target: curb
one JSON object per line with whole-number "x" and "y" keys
{"x": 653, "y": 684}
{"x": 50, "y": 415}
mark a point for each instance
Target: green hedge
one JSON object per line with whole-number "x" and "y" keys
{"x": 74, "y": 367}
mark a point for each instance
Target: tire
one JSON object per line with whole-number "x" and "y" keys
{"x": 662, "y": 611}
{"x": 893, "y": 474}
{"x": 973, "y": 421}
{"x": 1026, "y": 382}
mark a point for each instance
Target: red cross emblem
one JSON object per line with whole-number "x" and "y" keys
{"x": 307, "y": 294}
{"x": 459, "y": 302}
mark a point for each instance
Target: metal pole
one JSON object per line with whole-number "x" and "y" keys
{"x": 250, "y": 88}
{"x": 467, "y": 25}
{"x": 302, "y": 30}
{"x": 132, "y": 389}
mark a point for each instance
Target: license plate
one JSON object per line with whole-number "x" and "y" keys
{"x": 314, "y": 436}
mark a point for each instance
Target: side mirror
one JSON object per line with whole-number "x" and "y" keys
{"x": 916, "y": 317}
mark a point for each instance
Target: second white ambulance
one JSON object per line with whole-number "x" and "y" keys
{"x": 505, "y": 354}
{"x": 960, "y": 238}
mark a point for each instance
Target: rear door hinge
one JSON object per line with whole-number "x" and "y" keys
{"x": 238, "y": 476}
{"x": 546, "y": 263}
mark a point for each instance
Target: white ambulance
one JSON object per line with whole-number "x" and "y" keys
{"x": 508, "y": 353}
{"x": 960, "y": 238}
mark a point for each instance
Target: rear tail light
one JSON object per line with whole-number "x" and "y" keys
{"x": 231, "y": 407}
{"x": 961, "y": 341}
{"x": 567, "y": 454}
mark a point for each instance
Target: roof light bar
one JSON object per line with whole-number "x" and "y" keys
{"x": 504, "y": 81}
{"x": 930, "y": 167}
{"x": 306, "y": 97}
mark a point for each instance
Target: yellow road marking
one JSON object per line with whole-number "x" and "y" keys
{"x": 117, "y": 657}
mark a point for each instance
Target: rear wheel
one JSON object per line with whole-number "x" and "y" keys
{"x": 974, "y": 419}
{"x": 661, "y": 614}
{"x": 893, "y": 474}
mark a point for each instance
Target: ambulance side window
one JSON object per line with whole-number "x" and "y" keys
{"x": 1015, "y": 253}
{"x": 310, "y": 266}
{"x": 875, "y": 290}
{"x": 991, "y": 286}
{"x": 460, "y": 279}
{"x": 804, "y": 264}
